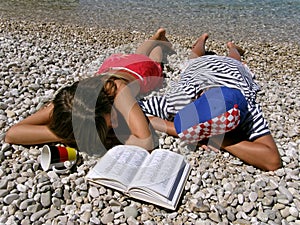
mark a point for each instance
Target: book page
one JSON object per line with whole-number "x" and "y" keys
{"x": 119, "y": 163}
{"x": 170, "y": 202}
{"x": 160, "y": 171}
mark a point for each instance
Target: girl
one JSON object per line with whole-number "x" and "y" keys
{"x": 81, "y": 115}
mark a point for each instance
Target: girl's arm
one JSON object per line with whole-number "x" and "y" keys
{"x": 126, "y": 104}
{"x": 33, "y": 130}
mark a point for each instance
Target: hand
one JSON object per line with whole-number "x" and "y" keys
{"x": 146, "y": 143}
{"x": 210, "y": 148}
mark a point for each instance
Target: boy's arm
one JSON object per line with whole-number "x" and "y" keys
{"x": 163, "y": 125}
{"x": 261, "y": 153}
{"x": 33, "y": 130}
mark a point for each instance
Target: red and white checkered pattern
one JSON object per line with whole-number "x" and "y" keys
{"x": 218, "y": 125}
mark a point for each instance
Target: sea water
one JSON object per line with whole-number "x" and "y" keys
{"x": 277, "y": 20}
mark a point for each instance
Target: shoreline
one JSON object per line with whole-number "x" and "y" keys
{"x": 285, "y": 32}
{"x": 36, "y": 59}
{"x": 243, "y": 20}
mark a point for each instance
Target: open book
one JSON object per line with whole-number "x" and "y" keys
{"x": 158, "y": 178}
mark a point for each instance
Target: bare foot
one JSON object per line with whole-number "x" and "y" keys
{"x": 198, "y": 48}
{"x": 200, "y": 41}
{"x": 158, "y": 39}
{"x": 231, "y": 45}
{"x": 160, "y": 35}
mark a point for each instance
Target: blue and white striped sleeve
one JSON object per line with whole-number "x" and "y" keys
{"x": 260, "y": 125}
{"x": 257, "y": 125}
{"x": 154, "y": 106}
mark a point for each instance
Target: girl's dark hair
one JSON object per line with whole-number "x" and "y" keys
{"x": 78, "y": 113}
{"x": 61, "y": 117}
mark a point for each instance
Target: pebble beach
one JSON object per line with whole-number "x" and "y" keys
{"x": 38, "y": 58}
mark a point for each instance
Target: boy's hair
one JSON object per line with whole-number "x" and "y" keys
{"x": 78, "y": 112}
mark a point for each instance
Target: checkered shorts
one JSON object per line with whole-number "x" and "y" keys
{"x": 217, "y": 111}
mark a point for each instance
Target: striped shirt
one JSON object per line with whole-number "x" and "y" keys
{"x": 206, "y": 72}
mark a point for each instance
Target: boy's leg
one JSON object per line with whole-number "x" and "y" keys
{"x": 198, "y": 48}
{"x": 235, "y": 52}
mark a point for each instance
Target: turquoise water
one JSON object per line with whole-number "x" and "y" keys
{"x": 258, "y": 19}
